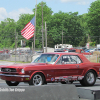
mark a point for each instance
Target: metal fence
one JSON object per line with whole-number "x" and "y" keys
{"x": 29, "y": 57}
{"x": 19, "y": 56}
{"x": 22, "y": 58}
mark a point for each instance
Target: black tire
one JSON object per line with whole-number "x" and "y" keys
{"x": 12, "y": 83}
{"x": 82, "y": 82}
{"x": 37, "y": 80}
{"x": 89, "y": 79}
{"x": 63, "y": 82}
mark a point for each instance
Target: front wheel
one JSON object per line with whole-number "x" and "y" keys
{"x": 89, "y": 79}
{"x": 12, "y": 83}
{"x": 37, "y": 80}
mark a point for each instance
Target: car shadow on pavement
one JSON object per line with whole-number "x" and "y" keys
{"x": 79, "y": 85}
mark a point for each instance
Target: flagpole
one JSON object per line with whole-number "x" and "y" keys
{"x": 42, "y": 27}
{"x": 35, "y": 25}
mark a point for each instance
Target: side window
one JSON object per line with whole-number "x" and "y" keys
{"x": 75, "y": 59}
{"x": 69, "y": 59}
{"x": 65, "y": 59}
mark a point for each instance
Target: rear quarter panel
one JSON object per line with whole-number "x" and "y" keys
{"x": 90, "y": 66}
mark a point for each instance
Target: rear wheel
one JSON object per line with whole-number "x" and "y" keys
{"x": 12, "y": 83}
{"x": 89, "y": 79}
{"x": 37, "y": 79}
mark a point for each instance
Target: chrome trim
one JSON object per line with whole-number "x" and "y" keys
{"x": 14, "y": 75}
{"x": 70, "y": 77}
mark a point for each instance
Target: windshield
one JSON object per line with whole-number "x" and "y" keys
{"x": 46, "y": 58}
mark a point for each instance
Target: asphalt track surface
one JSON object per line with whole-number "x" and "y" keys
{"x": 77, "y": 84}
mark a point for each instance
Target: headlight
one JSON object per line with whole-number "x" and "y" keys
{"x": 22, "y": 71}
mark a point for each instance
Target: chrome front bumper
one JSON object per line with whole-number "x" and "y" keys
{"x": 27, "y": 76}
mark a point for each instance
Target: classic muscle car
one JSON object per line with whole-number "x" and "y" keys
{"x": 52, "y": 67}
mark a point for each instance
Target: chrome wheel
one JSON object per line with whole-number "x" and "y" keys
{"x": 90, "y": 78}
{"x": 37, "y": 80}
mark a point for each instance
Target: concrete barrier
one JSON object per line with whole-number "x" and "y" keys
{"x": 45, "y": 92}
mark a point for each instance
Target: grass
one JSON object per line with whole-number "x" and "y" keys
{"x": 16, "y": 61}
{"x": 95, "y": 58}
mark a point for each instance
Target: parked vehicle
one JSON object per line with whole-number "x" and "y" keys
{"x": 84, "y": 48}
{"x": 71, "y": 50}
{"x": 1, "y": 51}
{"x": 4, "y": 51}
{"x": 39, "y": 52}
{"x": 92, "y": 50}
{"x": 87, "y": 50}
{"x": 52, "y": 67}
{"x": 59, "y": 46}
{"x": 82, "y": 52}
{"x": 59, "y": 50}
{"x": 65, "y": 49}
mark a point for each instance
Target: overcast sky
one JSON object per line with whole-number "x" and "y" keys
{"x": 13, "y": 8}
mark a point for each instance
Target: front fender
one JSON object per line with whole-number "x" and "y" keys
{"x": 36, "y": 72}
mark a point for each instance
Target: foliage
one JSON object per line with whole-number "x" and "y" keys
{"x": 69, "y": 24}
{"x": 94, "y": 19}
{"x": 92, "y": 43}
{"x": 83, "y": 42}
{"x": 76, "y": 29}
{"x": 7, "y": 30}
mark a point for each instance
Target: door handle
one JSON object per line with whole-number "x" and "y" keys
{"x": 77, "y": 66}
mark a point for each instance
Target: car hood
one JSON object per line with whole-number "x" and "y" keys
{"x": 23, "y": 65}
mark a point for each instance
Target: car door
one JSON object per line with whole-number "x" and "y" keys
{"x": 68, "y": 65}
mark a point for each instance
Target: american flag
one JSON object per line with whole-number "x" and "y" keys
{"x": 28, "y": 31}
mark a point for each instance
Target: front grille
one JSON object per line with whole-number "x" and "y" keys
{"x": 8, "y": 69}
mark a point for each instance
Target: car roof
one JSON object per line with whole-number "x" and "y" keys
{"x": 83, "y": 58}
{"x": 62, "y": 53}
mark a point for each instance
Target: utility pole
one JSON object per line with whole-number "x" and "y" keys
{"x": 15, "y": 45}
{"x": 46, "y": 36}
{"x": 32, "y": 47}
{"x": 35, "y": 26}
{"x": 42, "y": 27}
{"x": 62, "y": 37}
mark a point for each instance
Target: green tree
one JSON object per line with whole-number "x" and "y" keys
{"x": 69, "y": 23}
{"x": 7, "y": 32}
{"x": 94, "y": 20}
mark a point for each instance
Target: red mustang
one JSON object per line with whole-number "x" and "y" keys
{"x": 52, "y": 67}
